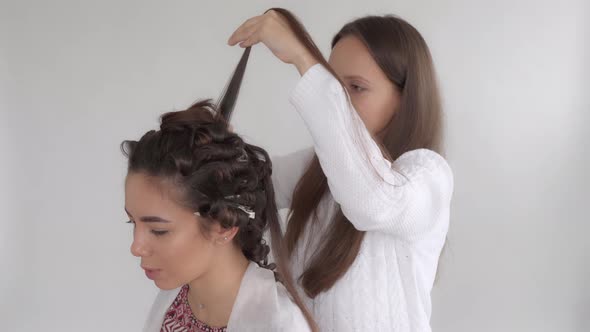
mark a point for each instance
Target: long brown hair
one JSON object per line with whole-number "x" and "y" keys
{"x": 402, "y": 54}
{"x": 218, "y": 175}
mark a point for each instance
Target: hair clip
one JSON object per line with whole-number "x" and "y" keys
{"x": 260, "y": 157}
{"x": 251, "y": 214}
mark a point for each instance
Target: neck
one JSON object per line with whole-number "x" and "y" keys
{"x": 212, "y": 295}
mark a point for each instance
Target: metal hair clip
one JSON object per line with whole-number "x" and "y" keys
{"x": 261, "y": 157}
{"x": 251, "y": 214}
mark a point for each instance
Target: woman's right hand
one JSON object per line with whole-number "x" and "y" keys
{"x": 273, "y": 30}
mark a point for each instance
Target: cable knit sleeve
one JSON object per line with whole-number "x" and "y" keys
{"x": 403, "y": 198}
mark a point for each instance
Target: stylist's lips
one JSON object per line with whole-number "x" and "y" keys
{"x": 151, "y": 273}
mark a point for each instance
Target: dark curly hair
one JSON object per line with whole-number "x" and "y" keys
{"x": 219, "y": 176}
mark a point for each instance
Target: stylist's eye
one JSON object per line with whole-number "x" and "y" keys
{"x": 357, "y": 88}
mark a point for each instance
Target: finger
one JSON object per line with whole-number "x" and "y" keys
{"x": 244, "y": 35}
{"x": 251, "y": 41}
{"x": 239, "y": 32}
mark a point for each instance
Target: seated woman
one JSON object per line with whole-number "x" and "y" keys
{"x": 200, "y": 199}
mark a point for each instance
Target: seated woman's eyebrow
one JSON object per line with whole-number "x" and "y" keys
{"x": 149, "y": 218}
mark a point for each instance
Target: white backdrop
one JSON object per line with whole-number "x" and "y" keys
{"x": 78, "y": 77}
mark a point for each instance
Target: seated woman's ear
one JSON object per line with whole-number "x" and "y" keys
{"x": 220, "y": 235}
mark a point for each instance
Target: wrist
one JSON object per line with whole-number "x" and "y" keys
{"x": 305, "y": 61}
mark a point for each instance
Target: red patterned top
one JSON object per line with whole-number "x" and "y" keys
{"x": 180, "y": 318}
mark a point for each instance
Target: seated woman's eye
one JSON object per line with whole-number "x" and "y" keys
{"x": 159, "y": 233}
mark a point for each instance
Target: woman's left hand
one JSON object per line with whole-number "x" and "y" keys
{"x": 273, "y": 30}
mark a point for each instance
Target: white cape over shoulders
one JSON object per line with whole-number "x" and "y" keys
{"x": 262, "y": 305}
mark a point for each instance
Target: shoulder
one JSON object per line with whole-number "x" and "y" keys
{"x": 291, "y": 317}
{"x": 263, "y": 304}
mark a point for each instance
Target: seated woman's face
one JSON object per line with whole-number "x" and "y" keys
{"x": 166, "y": 235}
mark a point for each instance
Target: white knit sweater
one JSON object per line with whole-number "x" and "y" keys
{"x": 403, "y": 206}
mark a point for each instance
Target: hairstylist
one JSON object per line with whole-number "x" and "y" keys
{"x": 370, "y": 203}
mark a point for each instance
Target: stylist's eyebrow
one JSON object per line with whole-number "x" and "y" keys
{"x": 356, "y": 77}
{"x": 149, "y": 218}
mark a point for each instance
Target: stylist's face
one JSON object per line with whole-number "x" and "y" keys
{"x": 373, "y": 95}
{"x": 166, "y": 236}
